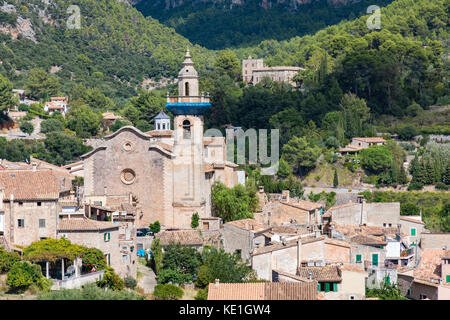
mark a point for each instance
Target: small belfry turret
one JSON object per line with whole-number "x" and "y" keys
{"x": 188, "y": 78}
{"x": 162, "y": 121}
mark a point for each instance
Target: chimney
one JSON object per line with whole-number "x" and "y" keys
{"x": 34, "y": 166}
{"x": 216, "y": 282}
{"x": 285, "y": 196}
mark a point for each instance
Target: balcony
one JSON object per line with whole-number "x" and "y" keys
{"x": 187, "y": 105}
{"x": 187, "y": 99}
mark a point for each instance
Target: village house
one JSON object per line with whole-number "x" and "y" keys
{"x": 242, "y": 236}
{"x": 281, "y": 209}
{"x": 263, "y": 291}
{"x": 109, "y": 118}
{"x": 57, "y": 104}
{"x": 29, "y": 205}
{"x": 359, "y": 143}
{"x": 105, "y": 236}
{"x": 378, "y": 214}
{"x": 254, "y": 70}
{"x": 430, "y": 280}
{"x": 412, "y": 227}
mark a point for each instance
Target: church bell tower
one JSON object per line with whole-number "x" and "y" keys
{"x": 189, "y": 183}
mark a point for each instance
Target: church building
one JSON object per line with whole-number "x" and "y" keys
{"x": 165, "y": 174}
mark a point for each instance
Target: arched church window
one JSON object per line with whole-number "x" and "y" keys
{"x": 186, "y": 88}
{"x": 186, "y": 129}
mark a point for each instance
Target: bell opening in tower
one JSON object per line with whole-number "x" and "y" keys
{"x": 186, "y": 88}
{"x": 186, "y": 129}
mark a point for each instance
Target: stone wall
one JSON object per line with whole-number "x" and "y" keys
{"x": 30, "y": 212}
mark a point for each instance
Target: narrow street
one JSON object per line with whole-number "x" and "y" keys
{"x": 148, "y": 279}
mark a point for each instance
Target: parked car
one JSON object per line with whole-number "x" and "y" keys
{"x": 142, "y": 232}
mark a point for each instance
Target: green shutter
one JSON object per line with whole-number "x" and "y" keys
{"x": 387, "y": 280}
{"x": 335, "y": 287}
{"x": 448, "y": 278}
{"x": 358, "y": 258}
{"x": 413, "y": 231}
{"x": 318, "y": 287}
{"x": 375, "y": 259}
{"x": 327, "y": 286}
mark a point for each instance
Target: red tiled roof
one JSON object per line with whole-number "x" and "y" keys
{"x": 84, "y": 224}
{"x": 304, "y": 205}
{"x": 367, "y": 240}
{"x": 29, "y": 185}
{"x": 370, "y": 139}
{"x": 263, "y": 291}
{"x": 430, "y": 264}
{"x": 248, "y": 224}
{"x": 326, "y": 273}
{"x": 411, "y": 220}
{"x": 160, "y": 133}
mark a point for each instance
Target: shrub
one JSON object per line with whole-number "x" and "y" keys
{"x": 130, "y": 282}
{"x": 22, "y": 275}
{"x": 415, "y": 186}
{"x": 407, "y": 132}
{"x": 93, "y": 258}
{"x": 51, "y": 125}
{"x": 7, "y": 260}
{"x": 174, "y": 276}
{"x": 202, "y": 294}
{"x": 89, "y": 292}
{"x": 167, "y": 292}
{"x": 26, "y": 127}
{"x": 409, "y": 209}
{"x": 111, "y": 280}
{"x": 194, "y": 220}
{"x": 441, "y": 186}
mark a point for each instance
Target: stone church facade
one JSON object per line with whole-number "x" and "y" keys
{"x": 165, "y": 174}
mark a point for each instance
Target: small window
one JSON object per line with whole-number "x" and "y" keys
{"x": 335, "y": 287}
{"x": 447, "y": 278}
{"x": 164, "y": 126}
{"x": 413, "y": 231}
{"x": 384, "y": 224}
{"x": 390, "y": 225}
{"x": 108, "y": 259}
{"x": 358, "y": 258}
{"x": 21, "y": 223}
{"x": 352, "y": 297}
{"x": 39, "y": 204}
{"x": 41, "y": 223}
{"x": 106, "y": 236}
{"x": 422, "y": 296}
{"x": 20, "y": 203}
{"x": 408, "y": 292}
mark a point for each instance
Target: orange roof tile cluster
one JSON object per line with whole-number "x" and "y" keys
{"x": 165, "y": 146}
{"x": 411, "y": 220}
{"x": 351, "y": 231}
{"x": 321, "y": 274}
{"x": 29, "y": 185}
{"x": 367, "y": 240}
{"x": 160, "y": 133}
{"x": 263, "y": 291}
{"x": 84, "y": 224}
{"x": 430, "y": 264}
{"x": 370, "y": 139}
{"x": 305, "y": 205}
{"x": 111, "y": 116}
{"x": 248, "y": 224}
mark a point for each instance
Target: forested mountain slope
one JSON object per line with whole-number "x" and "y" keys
{"x": 233, "y": 23}
{"x": 115, "y": 49}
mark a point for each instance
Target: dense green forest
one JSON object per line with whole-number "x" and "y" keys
{"x": 221, "y": 24}
{"x": 115, "y": 49}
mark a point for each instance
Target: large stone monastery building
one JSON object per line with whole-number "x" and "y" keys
{"x": 165, "y": 174}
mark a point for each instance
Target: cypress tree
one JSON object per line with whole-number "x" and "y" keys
{"x": 335, "y": 179}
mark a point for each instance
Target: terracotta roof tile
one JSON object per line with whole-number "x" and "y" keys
{"x": 160, "y": 133}
{"x": 248, "y": 224}
{"x": 430, "y": 264}
{"x": 84, "y": 224}
{"x": 411, "y": 220}
{"x": 370, "y": 139}
{"x": 304, "y": 205}
{"x": 367, "y": 240}
{"x": 29, "y": 185}
{"x": 263, "y": 291}
{"x": 326, "y": 273}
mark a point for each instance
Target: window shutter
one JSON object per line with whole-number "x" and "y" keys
{"x": 109, "y": 236}
{"x": 413, "y": 231}
{"x": 318, "y": 287}
{"x": 335, "y": 287}
{"x": 358, "y": 258}
{"x": 448, "y": 278}
{"x": 327, "y": 287}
